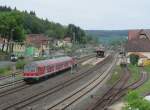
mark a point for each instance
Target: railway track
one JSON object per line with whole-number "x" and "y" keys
{"x": 143, "y": 78}
{"x": 114, "y": 94}
{"x": 107, "y": 98}
{"x": 82, "y": 59}
{"x": 80, "y": 92}
{"x": 27, "y": 101}
{"x": 9, "y": 76}
{"x": 11, "y": 83}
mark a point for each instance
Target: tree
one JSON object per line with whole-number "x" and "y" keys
{"x": 134, "y": 59}
{"x": 10, "y": 26}
{"x": 32, "y": 13}
{"x": 51, "y": 33}
{"x": 76, "y": 33}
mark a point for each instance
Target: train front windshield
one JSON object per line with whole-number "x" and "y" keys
{"x": 30, "y": 68}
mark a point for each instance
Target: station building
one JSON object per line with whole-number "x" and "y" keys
{"x": 138, "y": 43}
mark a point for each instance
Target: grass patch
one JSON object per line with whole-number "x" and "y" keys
{"x": 135, "y": 72}
{"x": 20, "y": 64}
{"x": 5, "y": 71}
{"x": 136, "y": 102}
{"x": 115, "y": 76}
{"x": 147, "y": 68}
{"x": 146, "y": 86}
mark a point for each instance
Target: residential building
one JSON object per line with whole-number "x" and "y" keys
{"x": 19, "y": 48}
{"x": 139, "y": 43}
{"x": 38, "y": 41}
{"x": 67, "y": 41}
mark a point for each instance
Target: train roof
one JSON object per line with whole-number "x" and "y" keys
{"x": 51, "y": 61}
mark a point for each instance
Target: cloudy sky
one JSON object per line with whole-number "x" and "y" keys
{"x": 90, "y": 14}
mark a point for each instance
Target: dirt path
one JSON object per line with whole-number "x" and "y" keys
{"x": 117, "y": 106}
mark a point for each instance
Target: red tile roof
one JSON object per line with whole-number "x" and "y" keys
{"x": 67, "y": 39}
{"x": 138, "y": 45}
{"x": 135, "y": 34}
{"x": 138, "y": 41}
{"x": 37, "y": 39}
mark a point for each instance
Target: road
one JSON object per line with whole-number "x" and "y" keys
{"x": 5, "y": 63}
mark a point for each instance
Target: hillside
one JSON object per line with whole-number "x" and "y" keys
{"x": 108, "y": 36}
{"x": 16, "y": 24}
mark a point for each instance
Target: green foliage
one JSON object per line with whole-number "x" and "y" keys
{"x": 136, "y": 102}
{"x": 4, "y": 70}
{"x": 11, "y": 25}
{"x": 77, "y": 34}
{"x": 5, "y": 9}
{"x": 147, "y": 68}
{"x": 134, "y": 59}
{"x": 135, "y": 73}
{"x": 20, "y": 64}
{"x": 17, "y": 23}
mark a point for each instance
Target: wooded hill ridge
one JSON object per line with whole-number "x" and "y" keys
{"x": 108, "y": 36}
{"x": 15, "y": 24}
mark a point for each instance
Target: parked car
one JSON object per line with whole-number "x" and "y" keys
{"x": 13, "y": 58}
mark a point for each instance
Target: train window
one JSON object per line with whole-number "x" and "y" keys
{"x": 29, "y": 68}
{"x": 50, "y": 68}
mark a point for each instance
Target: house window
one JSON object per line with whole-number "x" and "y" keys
{"x": 143, "y": 36}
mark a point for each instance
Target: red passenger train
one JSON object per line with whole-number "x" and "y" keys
{"x": 39, "y": 69}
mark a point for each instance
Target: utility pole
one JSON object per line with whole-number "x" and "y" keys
{"x": 73, "y": 45}
{"x": 11, "y": 41}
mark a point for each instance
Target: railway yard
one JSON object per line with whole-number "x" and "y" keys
{"x": 74, "y": 55}
{"x": 83, "y": 87}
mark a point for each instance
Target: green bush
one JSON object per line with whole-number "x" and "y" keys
{"x": 21, "y": 58}
{"x": 136, "y": 102}
{"x": 20, "y": 64}
{"x": 134, "y": 59}
{"x": 4, "y": 70}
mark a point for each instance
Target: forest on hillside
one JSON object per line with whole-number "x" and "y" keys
{"x": 15, "y": 24}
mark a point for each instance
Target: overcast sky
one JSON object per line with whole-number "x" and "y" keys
{"x": 90, "y": 14}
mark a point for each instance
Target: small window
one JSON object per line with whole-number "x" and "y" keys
{"x": 30, "y": 68}
{"x": 143, "y": 36}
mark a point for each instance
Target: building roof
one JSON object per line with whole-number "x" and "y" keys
{"x": 138, "y": 40}
{"x": 67, "y": 39}
{"x": 37, "y": 39}
{"x": 138, "y": 45}
{"x": 135, "y": 34}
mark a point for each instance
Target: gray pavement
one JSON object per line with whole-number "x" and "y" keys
{"x": 6, "y": 63}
